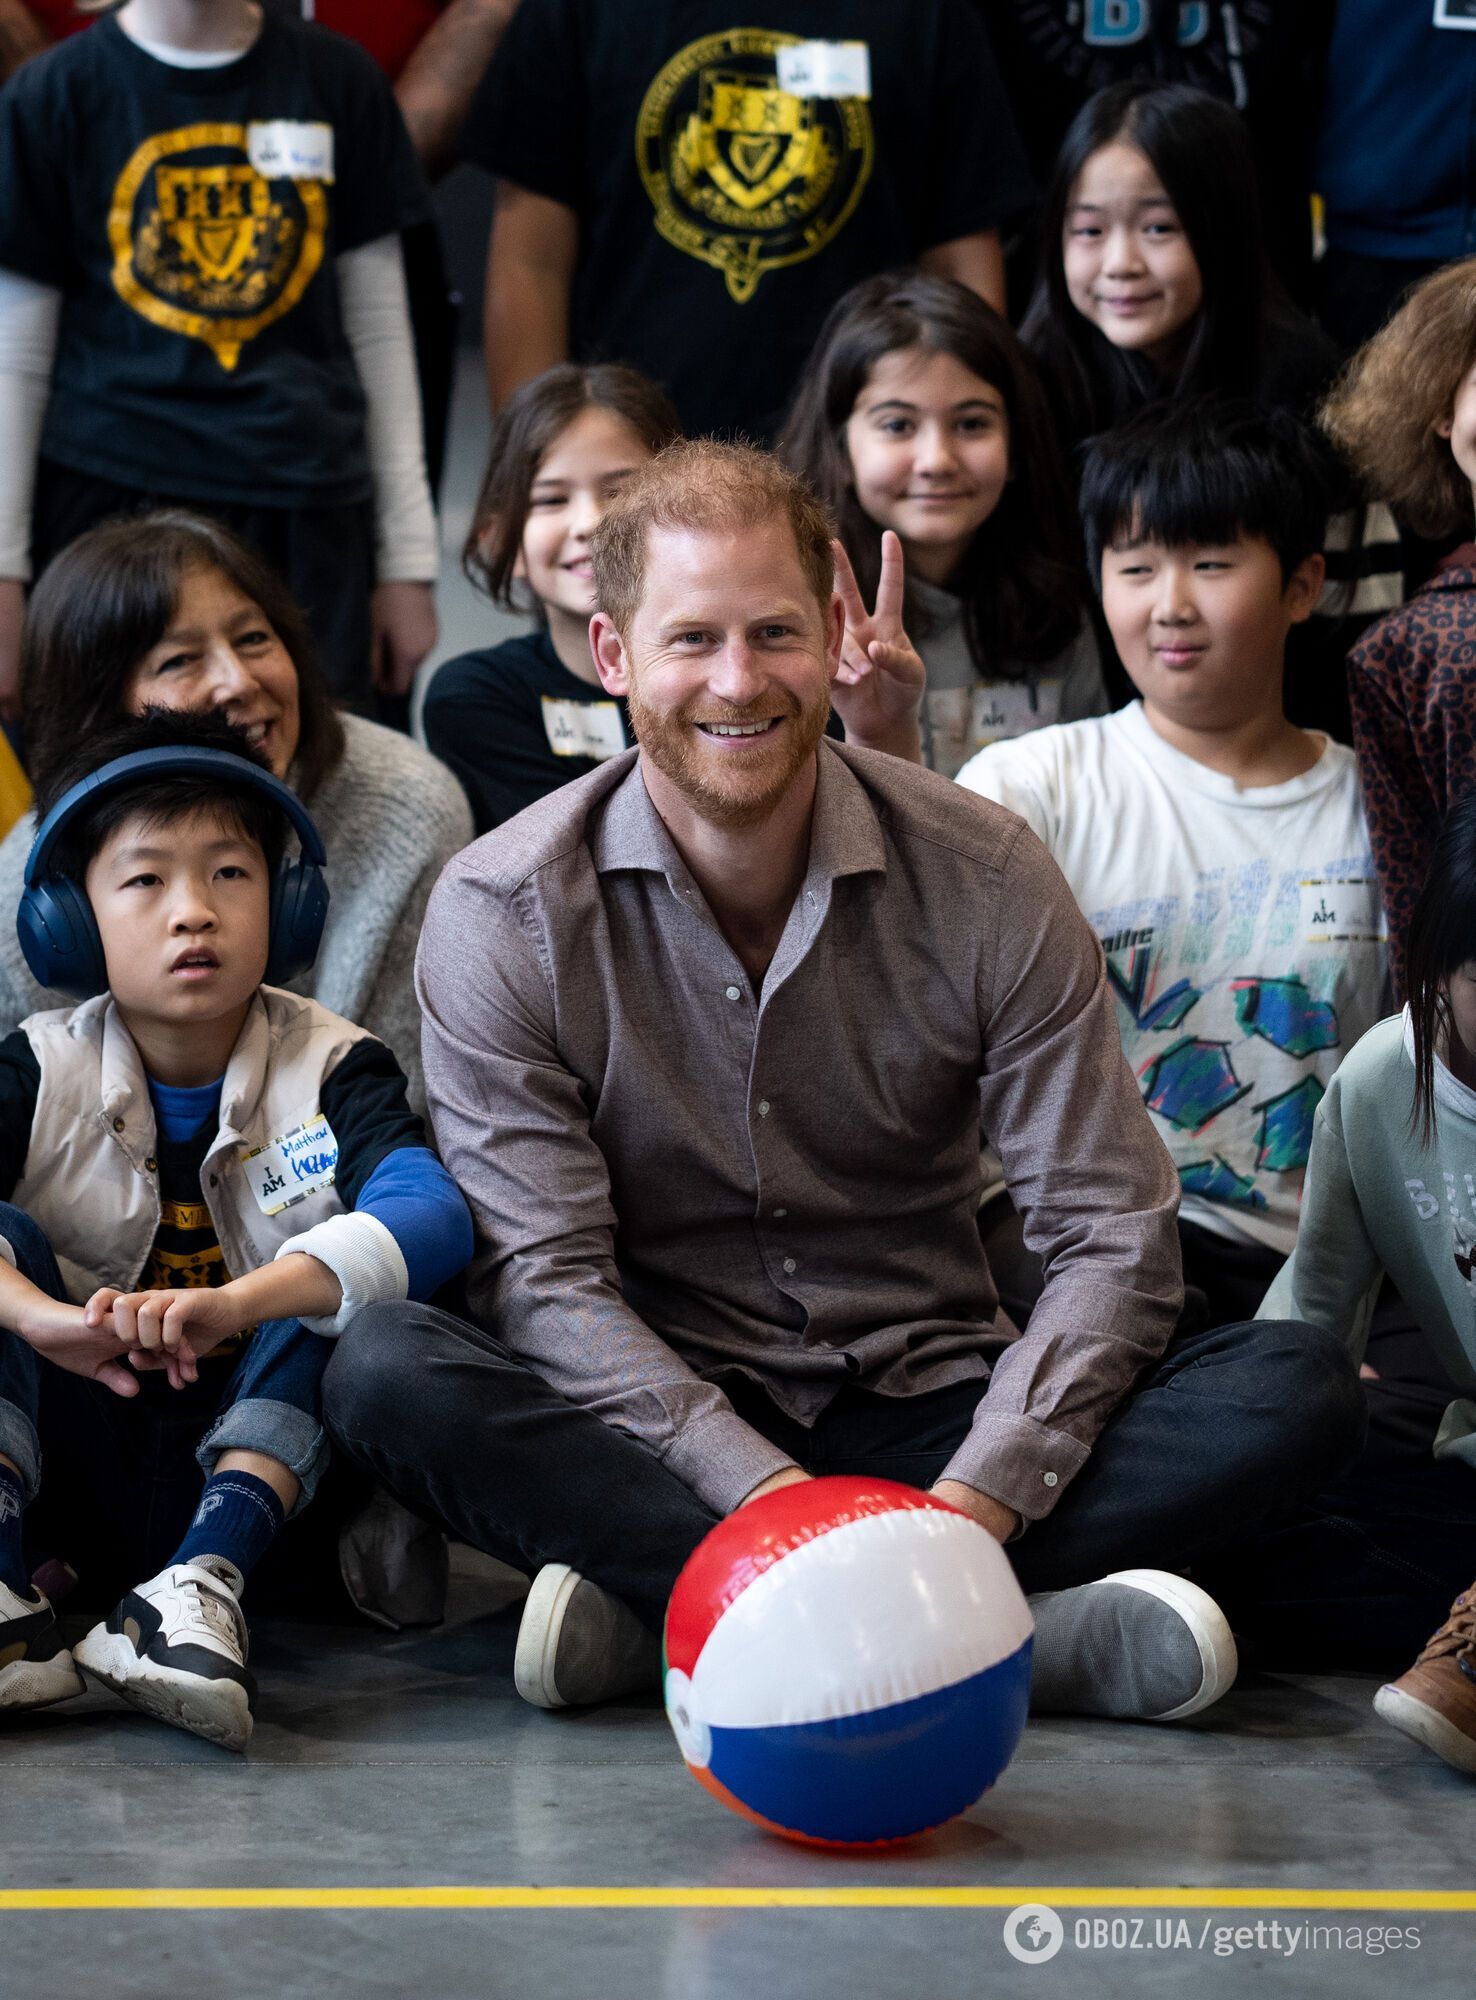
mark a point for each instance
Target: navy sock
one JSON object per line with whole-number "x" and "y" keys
{"x": 13, "y": 1571}
{"x": 237, "y": 1518}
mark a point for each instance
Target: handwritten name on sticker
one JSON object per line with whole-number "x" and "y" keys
{"x": 825, "y": 69}
{"x": 583, "y": 728}
{"x": 1341, "y": 909}
{"x": 291, "y": 149}
{"x": 288, "y": 1169}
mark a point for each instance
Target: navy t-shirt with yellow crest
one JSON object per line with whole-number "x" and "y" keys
{"x": 735, "y": 169}
{"x": 191, "y": 219}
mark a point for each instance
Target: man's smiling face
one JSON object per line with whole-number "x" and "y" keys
{"x": 727, "y": 666}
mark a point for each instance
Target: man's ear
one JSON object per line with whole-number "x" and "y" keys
{"x": 1304, "y": 588}
{"x": 608, "y": 647}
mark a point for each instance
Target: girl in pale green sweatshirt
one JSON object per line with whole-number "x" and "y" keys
{"x": 1390, "y": 1190}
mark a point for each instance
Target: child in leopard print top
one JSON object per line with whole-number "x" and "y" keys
{"x": 1405, "y": 415}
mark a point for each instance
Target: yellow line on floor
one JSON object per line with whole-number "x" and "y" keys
{"x": 517, "y": 1896}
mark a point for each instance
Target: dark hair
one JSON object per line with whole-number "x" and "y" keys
{"x": 1441, "y": 938}
{"x": 527, "y": 426}
{"x": 109, "y": 597}
{"x": 1207, "y": 471}
{"x": 1199, "y": 150}
{"x": 1020, "y": 577}
{"x": 160, "y": 798}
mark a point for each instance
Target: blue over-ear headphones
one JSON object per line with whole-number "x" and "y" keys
{"x": 58, "y": 932}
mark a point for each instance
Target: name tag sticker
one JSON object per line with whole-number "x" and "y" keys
{"x": 583, "y": 728}
{"x": 1455, "y": 13}
{"x": 1004, "y": 709}
{"x": 1342, "y": 909}
{"x": 291, "y": 149}
{"x": 287, "y": 1170}
{"x": 825, "y": 69}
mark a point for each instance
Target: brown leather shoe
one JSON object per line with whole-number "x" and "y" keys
{"x": 1435, "y": 1702}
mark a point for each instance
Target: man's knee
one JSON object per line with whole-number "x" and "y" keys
{"x": 375, "y": 1366}
{"x": 1317, "y": 1390}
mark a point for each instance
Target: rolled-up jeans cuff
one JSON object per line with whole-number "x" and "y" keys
{"x": 277, "y": 1430}
{"x": 20, "y": 1444}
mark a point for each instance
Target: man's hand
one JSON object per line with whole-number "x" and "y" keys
{"x": 12, "y": 618}
{"x": 403, "y": 629}
{"x": 878, "y": 687}
{"x": 1001, "y": 1521}
{"x": 63, "y": 1334}
{"x": 789, "y": 1475}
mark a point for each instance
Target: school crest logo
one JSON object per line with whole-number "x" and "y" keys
{"x": 743, "y": 175}
{"x": 205, "y": 245}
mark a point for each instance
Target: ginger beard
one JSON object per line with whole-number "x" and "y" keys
{"x": 730, "y": 788}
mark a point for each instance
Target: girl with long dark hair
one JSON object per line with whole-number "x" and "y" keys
{"x": 921, "y": 413}
{"x": 517, "y": 720}
{"x": 1154, "y": 282}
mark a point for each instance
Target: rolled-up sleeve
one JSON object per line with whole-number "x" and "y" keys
{"x": 512, "y": 1124}
{"x": 1094, "y": 1186}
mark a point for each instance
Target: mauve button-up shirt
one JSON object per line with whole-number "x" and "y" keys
{"x": 674, "y": 1177}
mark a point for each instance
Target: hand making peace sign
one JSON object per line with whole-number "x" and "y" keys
{"x": 879, "y": 683}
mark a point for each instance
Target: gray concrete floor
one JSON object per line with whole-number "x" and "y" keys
{"x": 399, "y": 1762}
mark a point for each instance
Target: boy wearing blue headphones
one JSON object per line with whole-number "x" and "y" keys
{"x": 201, "y": 1176}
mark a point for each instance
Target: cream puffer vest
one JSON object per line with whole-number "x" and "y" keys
{"x": 91, "y": 1180}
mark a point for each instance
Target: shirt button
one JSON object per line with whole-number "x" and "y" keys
{"x": 1049, "y": 1478}
{"x": 117, "y": 1124}
{"x": 151, "y": 1166}
{"x": 732, "y": 992}
{"x": 763, "y": 1107}
{"x": 780, "y": 1213}
{"x": 789, "y": 1264}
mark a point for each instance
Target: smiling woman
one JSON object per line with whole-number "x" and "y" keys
{"x": 172, "y": 611}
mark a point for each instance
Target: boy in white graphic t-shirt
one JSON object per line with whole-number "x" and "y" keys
{"x": 1220, "y": 852}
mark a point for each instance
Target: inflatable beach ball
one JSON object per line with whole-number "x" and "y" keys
{"x": 847, "y": 1661}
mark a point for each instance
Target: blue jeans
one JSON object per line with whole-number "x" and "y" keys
{"x": 130, "y": 1468}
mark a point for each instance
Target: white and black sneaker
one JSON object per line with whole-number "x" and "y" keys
{"x": 176, "y": 1648}
{"x": 36, "y": 1668}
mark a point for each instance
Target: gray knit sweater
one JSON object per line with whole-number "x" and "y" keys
{"x": 391, "y": 817}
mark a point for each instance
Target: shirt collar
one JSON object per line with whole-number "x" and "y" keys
{"x": 845, "y": 833}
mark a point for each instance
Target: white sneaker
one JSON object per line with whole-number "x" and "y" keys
{"x": 36, "y": 1668}
{"x": 176, "y": 1648}
{"x": 1141, "y": 1645}
{"x": 577, "y": 1644}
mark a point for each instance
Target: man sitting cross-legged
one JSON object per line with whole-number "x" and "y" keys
{"x": 707, "y": 1038}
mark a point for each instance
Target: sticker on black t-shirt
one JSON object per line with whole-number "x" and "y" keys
{"x": 205, "y": 245}
{"x": 743, "y": 175}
